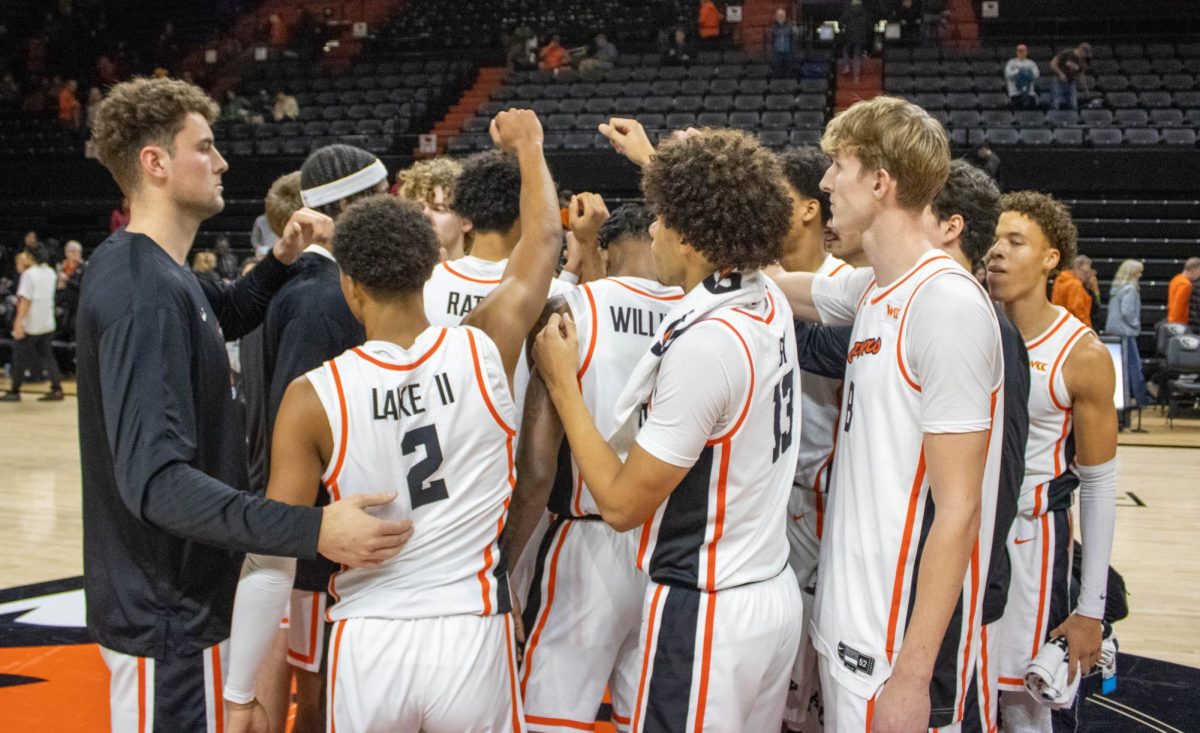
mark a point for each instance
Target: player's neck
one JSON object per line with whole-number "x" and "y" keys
{"x": 637, "y": 262}
{"x": 171, "y": 228}
{"x": 1031, "y": 312}
{"x": 492, "y": 246}
{"x": 954, "y": 249}
{"x": 894, "y": 242}
{"x": 806, "y": 255}
{"x": 399, "y": 320}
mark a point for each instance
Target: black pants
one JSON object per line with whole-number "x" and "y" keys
{"x": 34, "y": 353}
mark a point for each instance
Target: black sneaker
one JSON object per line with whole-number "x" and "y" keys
{"x": 11, "y": 397}
{"x": 55, "y": 396}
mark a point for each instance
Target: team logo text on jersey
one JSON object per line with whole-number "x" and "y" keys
{"x": 1038, "y": 365}
{"x": 636, "y": 321}
{"x": 893, "y": 311}
{"x": 460, "y": 304}
{"x": 865, "y": 347}
{"x": 405, "y": 401}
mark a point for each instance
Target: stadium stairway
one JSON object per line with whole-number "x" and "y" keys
{"x": 868, "y": 86}
{"x": 961, "y": 31}
{"x": 489, "y": 79}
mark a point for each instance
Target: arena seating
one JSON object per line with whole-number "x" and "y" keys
{"x": 1134, "y": 94}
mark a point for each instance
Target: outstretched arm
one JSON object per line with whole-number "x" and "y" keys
{"x": 507, "y": 314}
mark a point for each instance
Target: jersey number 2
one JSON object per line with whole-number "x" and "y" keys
{"x": 783, "y": 417}
{"x": 420, "y": 494}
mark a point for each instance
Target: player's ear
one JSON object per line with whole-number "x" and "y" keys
{"x": 155, "y": 162}
{"x": 812, "y": 208}
{"x": 1053, "y": 257}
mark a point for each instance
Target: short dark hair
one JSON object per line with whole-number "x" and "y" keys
{"x": 804, "y": 167}
{"x": 332, "y": 163}
{"x": 39, "y": 253}
{"x": 973, "y": 195}
{"x": 723, "y": 192}
{"x": 488, "y": 192}
{"x": 630, "y": 221}
{"x": 1052, "y": 216}
{"x": 385, "y": 245}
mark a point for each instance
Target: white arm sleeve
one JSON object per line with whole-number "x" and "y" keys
{"x": 956, "y": 360}
{"x": 703, "y": 380}
{"x": 262, "y": 593}
{"x": 1098, "y": 521}
{"x": 836, "y": 298}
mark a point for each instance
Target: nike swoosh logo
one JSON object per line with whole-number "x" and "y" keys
{"x": 1022, "y": 542}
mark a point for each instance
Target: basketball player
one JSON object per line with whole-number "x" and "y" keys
{"x": 423, "y": 642}
{"x": 430, "y": 184}
{"x": 707, "y": 476}
{"x": 308, "y": 323}
{"x": 166, "y": 511}
{"x": 899, "y": 595}
{"x": 1072, "y": 443}
{"x": 804, "y": 251}
{"x": 585, "y": 602}
{"x": 846, "y": 246}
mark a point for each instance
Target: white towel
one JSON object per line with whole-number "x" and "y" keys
{"x": 1046, "y": 678}
{"x": 731, "y": 290}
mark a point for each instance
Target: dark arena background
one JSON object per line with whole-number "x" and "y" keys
{"x": 413, "y": 79}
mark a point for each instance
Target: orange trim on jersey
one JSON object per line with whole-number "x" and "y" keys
{"x": 1067, "y": 347}
{"x": 906, "y": 278}
{"x": 141, "y": 694}
{"x": 218, "y": 698}
{"x": 966, "y": 669}
{"x": 870, "y": 714}
{"x": 401, "y": 367}
{"x": 1037, "y": 630}
{"x": 587, "y": 359}
{"x": 1049, "y": 332}
{"x": 483, "y": 390}
{"x": 312, "y": 633}
{"x": 706, "y": 660}
{"x": 644, "y": 543}
{"x": 637, "y": 710}
{"x": 613, "y": 715}
{"x": 770, "y": 314}
{"x": 343, "y": 414}
{"x": 485, "y": 586}
{"x": 559, "y": 722}
{"x": 902, "y": 560}
{"x": 1058, "y": 463}
{"x": 512, "y": 675}
{"x": 337, "y": 645}
{"x": 545, "y": 611}
{"x": 643, "y": 293}
{"x": 749, "y": 393}
{"x": 986, "y": 713}
{"x": 838, "y": 269}
{"x": 468, "y": 278}
{"x": 866, "y": 294}
{"x": 904, "y": 318}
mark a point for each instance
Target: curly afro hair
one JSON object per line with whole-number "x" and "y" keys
{"x": 488, "y": 192}
{"x": 144, "y": 112}
{"x": 724, "y": 194}
{"x": 804, "y": 167}
{"x": 973, "y": 195}
{"x": 628, "y": 222}
{"x": 1052, "y": 217}
{"x": 385, "y": 245}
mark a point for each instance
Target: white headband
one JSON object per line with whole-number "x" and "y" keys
{"x": 337, "y": 190}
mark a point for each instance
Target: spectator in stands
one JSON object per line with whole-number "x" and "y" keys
{"x": 68, "y": 105}
{"x": 678, "y": 51}
{"x": 34, "y": 326}
{"x": 70, "y": 279}
{"x": 1125, "y": 320}
{"x": 781, "y": 42}
{"x": 1072, "y": 289}
{"x": 1068, "y": 66}
{"x": 856, "y": 27}
{"x": 521, "y": 53}
{"x": 1181, "y": 294}
{"x": 72, "y": 263}
{"x": 204, "y": 264}
{"x": 1020, "y": 73}
{"x": 708, "y": 24}
{"x": 553, "y": 56}
{"x": 227, "y": 262}
{"x": 984, "y": 158}
{"x": 908, "y": 15}
{"x": 430, "y": 184}
{"x": 285, "y": 108}
{"x": 31, "y": 241}
{"x": 932, "y": 14}
{"x": 119, "y": 216}
{"x": 236, "y": 107}
{"x": 604, "y": 55}
{"x": 95, "y": 97}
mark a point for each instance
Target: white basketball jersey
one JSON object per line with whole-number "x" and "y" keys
{"x": 434, "y": 423}
{"x": 615, "y": 321}
{"x": 1050, "y": 450}
{"x": 881, "y": 507}
{"x": 821, "y": 401}
{"x": 455, "y": 288}
{"x": 723, "y": 526}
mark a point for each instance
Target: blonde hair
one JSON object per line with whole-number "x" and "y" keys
{"x": 204, "y": 262}
{"x": 283, "y": 200}
{"x": 887, "y": 133}
{"x": 418, "y": 181}
{"x": 1125, "y": 273}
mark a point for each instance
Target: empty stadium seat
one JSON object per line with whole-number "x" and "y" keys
{"x": 1179, "y": 136}
{"x": 811, "y": 102}
{"x": 964, "y": 118}
{"x": 1154, "y": 100}
{"x": 688, "y": 104}
{"x": 994, "y": 100}
{"x": 1166, "y": 117}
{"x": 1104, "y": 136}
{"x": 718, "y": 103}
{"x": 1062, "y": 117}
{"x": 805, "y": 137}
{"x": 1096, "y": 117}
{"x": 1001, "y": 136}
{"x": 961, "y": 100}
{"x": 560, "y": 122}
{"x": 1131, "y": 118}
{"x": 1121, "y": 100}
{"x": 744, "y": 120}
{"x": 776, "y": 120}
{"x": 681, "y": 120}
{"x": 1036, "y": 136}
{"x": 773, "y": 138}
{"x": 657, "y": 104}
{"x": 1142, "y": 136}
{"x": 809, "y": 120}
{"x": 652, "y": 120}
{"x": 997, "y": 118}
{"x": 712, "y": 119}
{"x": 779, "y": 102}
{"x": 1029, "y": 118}
{"x": 748, "y": 103}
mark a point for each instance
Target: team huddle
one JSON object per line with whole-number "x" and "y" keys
{"x": 765, "y": 455}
